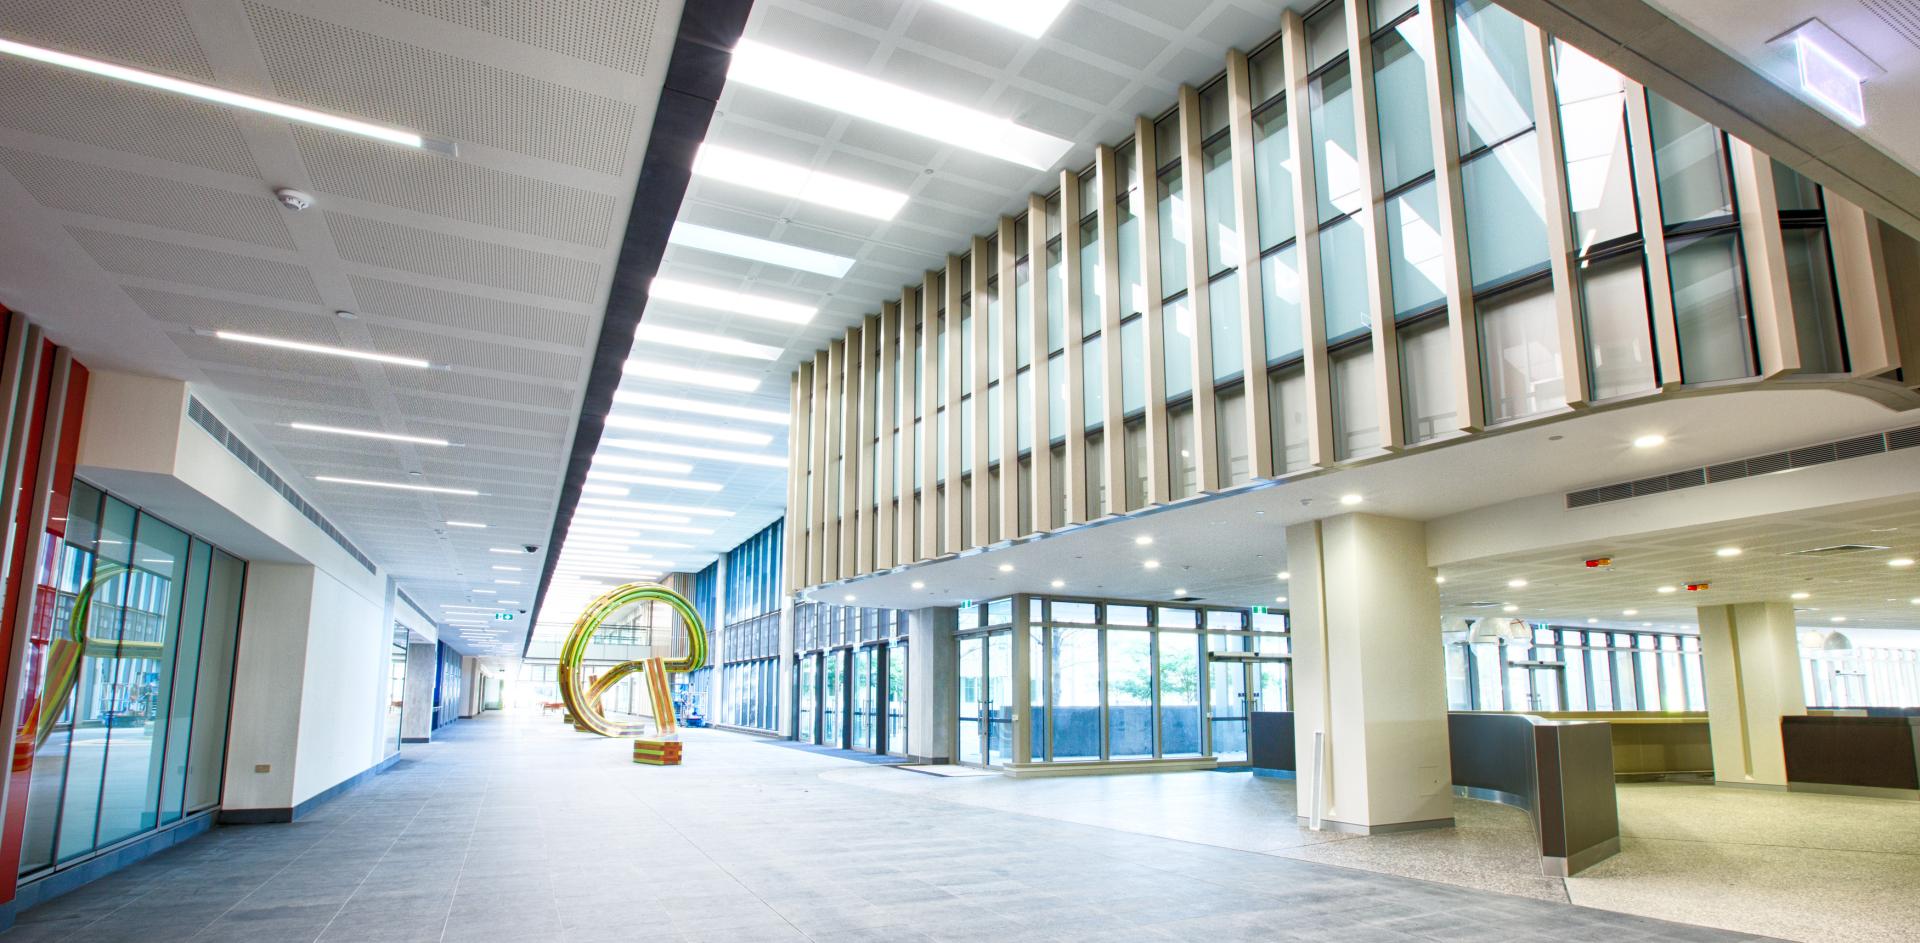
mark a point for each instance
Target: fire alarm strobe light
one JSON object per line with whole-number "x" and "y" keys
{"x": 1599, "y": 562}
{"x": 1698, "y": 587}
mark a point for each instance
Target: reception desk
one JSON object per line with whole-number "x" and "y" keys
{"x": 1652, "y": 745}
{"x": 1853, "y": 755}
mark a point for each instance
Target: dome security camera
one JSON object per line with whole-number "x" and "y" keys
{"x": 532, "y": 548}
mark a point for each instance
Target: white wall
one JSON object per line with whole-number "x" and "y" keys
{"x": 341, "y": 698}
{"x": 267, "y": 681}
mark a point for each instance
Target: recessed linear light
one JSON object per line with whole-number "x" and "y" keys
{"x": 700, "y": 340}
{"x": 1142, "y": 540}
{"x": 396, "y": 485}
{"x": 506, "y": 582}
{"x": 862, "y": 96}
{"x": 694, "y": 451}
{"x": 689, "y": 430}
{"x": 792, "y": 180}
{"x": 1027, "y": 17}
{"x": 701, "y": 407}
{"x": 1516, "y": 583}
{"x": 1351, "y": 499}
{"x": 1151, "y": 564}
{"x": 465, "y": 524}
{"x": 222, "y": 96}
{"x": 733, "y": 302}
{"x": 848, "y": 597}
{"x": 1006, "y": 568}
{"x": 739, "y": 246}
{"x": 648, "y": 506}
{"x": 669, "y": 373}
{"x": 1284, "y": 575}
{"x": 1593, "y": 621}
{"x": 919, "y": 585}
{"x": 1727, "y": 552}
{"x": 1652, "y": 440}
{"x": 1509, "y": 608}
{"x": 1180, "y": 591}
{"x": 330, "y": 351}
{"x": 653, "y": 482}
{"x": 1900, "y": 562}
{"x": 1279, "y": 599}
{"x": 1629, "y": 612}
{"x": 1837, "y": 619}
{"x": 369, "y": 434}
{"x": 1056, "y": 584}
{"x": 1798, "y": 596}
{"x": 1665, "y": 589}
{"x": 613, "y": 490}
{"x": 506, "y": 569}
{"x": 513, "y": 550}
{"x": 594, "y": 518}
{"x": 482, "y": 592}
{"x": 645, "y": 464}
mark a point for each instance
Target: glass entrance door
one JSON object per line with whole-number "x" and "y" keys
{"x": 807, "y": 681}
{"x": 973, "y": 700}
{"x": 1236, "y": 689}
{"x": 833, "y": 699}
{"x": 986, "y": 699}
{"x": 866, "y": 695}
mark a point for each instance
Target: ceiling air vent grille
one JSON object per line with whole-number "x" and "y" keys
{"x": 1805, "y": 457}
{"x": 205, "y": 419}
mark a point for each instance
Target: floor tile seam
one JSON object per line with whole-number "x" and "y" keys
{"x": 279, "y": 871}
{"x": 363, "y": 881}
{"x": 486, "y": 785}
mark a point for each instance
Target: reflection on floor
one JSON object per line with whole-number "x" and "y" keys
{"x": 1823, "y": 869}
{"x": 518, "y": 829}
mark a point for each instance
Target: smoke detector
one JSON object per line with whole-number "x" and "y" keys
{"x": 292, "y": 199}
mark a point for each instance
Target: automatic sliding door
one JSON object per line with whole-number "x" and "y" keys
{"x": 866, "y": 692}
{"x": 1228, "y": 709}
{"x": 1000, "y": 700}
{"x": 972, "y": 691}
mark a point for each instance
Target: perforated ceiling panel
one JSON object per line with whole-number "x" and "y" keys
{"x": 457, "y": 258}
{"x": 208, "y": 268}
{"x": 609, "y": 32}
{"x": 148, "y": 200}
{"x": 47, "y": 100}
{"x": 430, "y": 184}
{"x": 344, "y": 70}
{"x": 152, "y": 34}
{"x": 485, "y": 314}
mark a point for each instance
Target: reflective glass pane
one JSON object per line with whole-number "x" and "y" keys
{"x": 1273, "y": 176}
{"x": 1175, "y": 228}
{"x": 1000, "y": 697}
{"x": 1133, "y": 365}
{"x": 1227, "y": 702}
{"x": 1400, "y": 101}
{"x": 1691, "y": 165}
{"x": 1176, "y": 330}
{"x": 50, "y": 721}
{"x": 1413, "y": 250}
{"x": 972, "y": 692}
{"x": 1184, "y": 468}
{"x": 1520, "y": 354}
{"x": 1336, "y": 168}
{"x": 1280, "y": 303}
{"x": 143, "y": 681}
{"x": 1222, "y": 224}
{"x": 96, "y": 699}
{"x": 1343, "y": 279}
{"x": 1224, "y": 323}
{"x": 1093, "y": 383}
{"x": 1022, "y": 315}
{"x": 1129, "y": 693}
{"x": 1426, "y": 380}
{"x": 1619, "y": 336}
{"x": 1709, "y": 304}
{"x": 1056, "y": 298}
{"x": 1493, "y": 96}
{"x": 1816, "y": 311}
{"x": 1593, "y": 133}
{"x": 1506, "y": 215}
{"x": 179, "y": 716}
{"x": 1075, "y": 712}
{"x": 1133, "y": 286}
{"x": 1795, "y": 192}
{"x": 1179, "y": 694}
{"x": 1023, "y": 412}
{"x": 1093, "y": 279}
{"x": 1288, "y": 404}
{"x": 1356, "y": 419}
{"x": 1057, "y": 396}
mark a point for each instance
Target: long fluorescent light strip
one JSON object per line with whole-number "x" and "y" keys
{"x": 701, "y": 407}
{"x": 595, "y": 474}
{"x": 305, "y": 347}
{"x": 735, "y": 302}
{"x": 1027, "y": 17}
{"x": 694, "y": 451}
{"x": 669, "y": 373}
{"x": 792, "y": 180}
{"x": 647, "y": 464}
{"x": 397, "y": 486}
{"x": 470, "y": 524}
{"x": 369, "y": 434}
{"x": 688, "y": 430}
{"x": 720, "y": 241}
{"x": 699, "y": 340}
{"x": 843, "y": 90}
{"x": 219, "y": 95}
{"x": 646, "y": 506}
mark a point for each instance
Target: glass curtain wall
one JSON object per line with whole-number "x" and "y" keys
{"x": 128, "y": 730}
{"x": 1116, "y": 680}
{"x": 752, "y": 673}
{"x": 1569, "y": 669}
{"x": 851, "y": 677}
{"x": 1861, "y": 677}
{"x": 1281, "y": 304}
{"x": 396, "y": 686}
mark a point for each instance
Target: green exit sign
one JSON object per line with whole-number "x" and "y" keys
{"x": 503, "y": 616}
{"x": 1259, "y": 610}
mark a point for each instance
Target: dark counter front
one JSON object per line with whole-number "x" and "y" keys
{"x": 1877, "y": 756}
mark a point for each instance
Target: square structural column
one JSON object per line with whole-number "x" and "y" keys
{"x": 932, "y": 684}
{"x": 1751, "y": 653}
{"x": 1369, "y": 676}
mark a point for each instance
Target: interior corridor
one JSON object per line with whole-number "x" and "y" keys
{"x": 515, "y": 828}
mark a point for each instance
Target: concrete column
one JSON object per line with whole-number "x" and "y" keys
{"x": 1369, "y": 674}
{"x": 784, "y": 693}
{"x": 416, "y": 716}
{"x": 470, "y": 694}
{"x": 1752, "y": 660}
{"x": 931, "y": 677}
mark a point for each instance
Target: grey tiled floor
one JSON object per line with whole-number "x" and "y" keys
{"x": 517, "y": 828}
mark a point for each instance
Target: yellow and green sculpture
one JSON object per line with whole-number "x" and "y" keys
{"x": 583, "y": 698}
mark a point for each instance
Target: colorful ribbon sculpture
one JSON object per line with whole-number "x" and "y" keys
{"x": 583, "y": 699}
{"x": 63, "y": 660}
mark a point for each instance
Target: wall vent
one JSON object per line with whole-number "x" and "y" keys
{"x": 415, "y": 606}
{"x": 205, "y": 419}
{"x": 1805, "y": 457}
